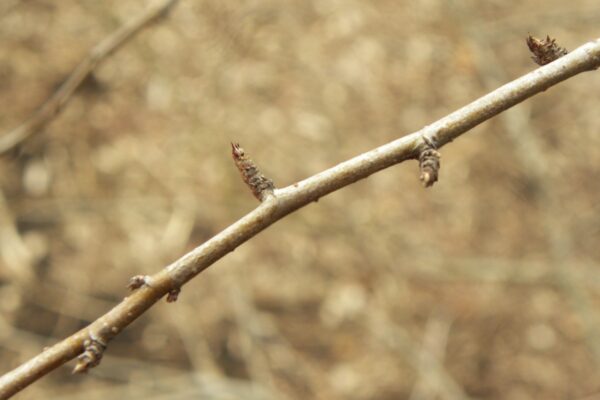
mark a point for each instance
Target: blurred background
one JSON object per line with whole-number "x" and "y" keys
{"x": 485, "y": 286}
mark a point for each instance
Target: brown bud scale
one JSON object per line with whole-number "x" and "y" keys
{"x": 136, "y": 282}
{"x": 173, "y": 295}
{"x": 259, "y": 184}
{"x": 544, "y": 50}
{"x": 429, "y": 164}
{"x": 91, "y": 356}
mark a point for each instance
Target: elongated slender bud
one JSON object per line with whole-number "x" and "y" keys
{"x": 260, "y": 185}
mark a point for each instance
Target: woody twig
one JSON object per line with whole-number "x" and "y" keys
{"x": 289, "y": 199}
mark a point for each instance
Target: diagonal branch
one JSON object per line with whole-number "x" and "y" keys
{"x": 96, "y": 55}
{"x": 287, "y": 200}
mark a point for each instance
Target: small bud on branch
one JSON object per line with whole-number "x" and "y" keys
{"x": 91, "y": 356}
{"x": 136, "y": 282}
{"x": 173, "y": 295}
{"x": 260, "y": 185}
{"x": 429, "y": 163}
{"x": 544, "y": 50}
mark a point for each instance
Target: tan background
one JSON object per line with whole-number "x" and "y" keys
{"x": 494, "y": 272}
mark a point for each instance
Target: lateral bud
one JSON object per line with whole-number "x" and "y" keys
{"x": 136, "y": 282}
{"x": 173, "y": 294}
{"x": 429, "y": 163}
{"x": 260, "y": 185}
{"x": 91, "y": 356}
{"x": 544, "y": 50}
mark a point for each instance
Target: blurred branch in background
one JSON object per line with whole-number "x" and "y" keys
{"x": 94, "y": 338}
{"x": 97, "y": 55}
{"x": 534, "y": 160}
{"x": 427, "y": 361}
{"x": 427, "y": 358}
{"x": 13, "y": 252}
{"x": 434, "y": 345}
{"x": 170, "y": 383}
{"x": 265, "y": 350}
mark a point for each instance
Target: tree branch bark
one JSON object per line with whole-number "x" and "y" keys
{"x": 289, "y": 199}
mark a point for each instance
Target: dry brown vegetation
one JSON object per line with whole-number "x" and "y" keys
{"x": 492, "y": 271}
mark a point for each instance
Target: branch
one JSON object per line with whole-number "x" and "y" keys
{"x": 289, "y": 199}
{"x": 52, "y": 107}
